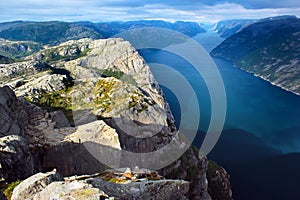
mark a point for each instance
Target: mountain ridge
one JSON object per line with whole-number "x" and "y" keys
{"x": 56, "y": 32}
{"x": 268, "y": 49}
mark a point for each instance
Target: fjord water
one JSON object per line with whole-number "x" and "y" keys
{"x": 260, "y": 142}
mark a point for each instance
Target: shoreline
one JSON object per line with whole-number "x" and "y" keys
{"x": 256, "y": 75}
{"x": 266, "y": 79}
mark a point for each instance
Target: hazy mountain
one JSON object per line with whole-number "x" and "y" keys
{"x": 226, "y": 28}
{"x": 108, "y": 29}
{"x": 55, "y": 32}
{"x": 45, "y": 32}
{"x": 269, "y": 49}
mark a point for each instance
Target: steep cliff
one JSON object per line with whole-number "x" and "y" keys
{"x": 84, "y": 103}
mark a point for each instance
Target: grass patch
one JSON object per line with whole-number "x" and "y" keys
{"x": 8, "y": 189}
{"x": 118, "y": 75}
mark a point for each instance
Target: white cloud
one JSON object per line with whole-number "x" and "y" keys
{"x": 91, "y": 10}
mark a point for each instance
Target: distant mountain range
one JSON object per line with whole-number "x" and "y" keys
{"x": 227, "y": 28}
{"x": 269, "y": 48}
{"x": 55, "y": 32}
{"x": 108, "y": 29}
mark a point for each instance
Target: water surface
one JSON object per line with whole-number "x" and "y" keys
{"x": 260, "y": 142}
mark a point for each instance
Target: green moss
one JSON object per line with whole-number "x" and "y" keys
{"x": 126, "y": 78}
{"x": 8, "y": 189}
{"x": 59, "y": 100}
{"x": 103, "y": 90}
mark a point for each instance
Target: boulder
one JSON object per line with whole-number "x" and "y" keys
{"x": 34, "y": 184}
{"x": 97, "y": 132}
{"x": 60, "y": 119}
{"x": 158, "y": 190}
{"x": 70, "y": 190}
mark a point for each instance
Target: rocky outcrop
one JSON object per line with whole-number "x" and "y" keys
{"x": 44, "y": 84}
{"x": 73, "y": 190}
{"x": 111, "y": 98}
{"x": 34, "y": 184}
{"x": 189, "y": 167}
{"x": 136, "y": 184}
{"x": 11, "y": 119}
{"x": 159, "y": 190}
{"x": 98, "y": 132}
{"x": 218, "y": 182}
{"x": 16, "y": 160}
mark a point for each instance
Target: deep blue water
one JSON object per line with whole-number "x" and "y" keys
{"x": 260, "y": 141}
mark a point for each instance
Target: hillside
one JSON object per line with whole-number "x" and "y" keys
{"x": 18, "y": 49}
{"x": 56, "y": 32}
{"x": 270, "y": 49}
{"x": 45, "y": 32}
{"x": 227, "y": 28}
{"x": 108, "y": 29}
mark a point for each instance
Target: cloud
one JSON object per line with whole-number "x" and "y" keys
{"x": 116, "y": 10}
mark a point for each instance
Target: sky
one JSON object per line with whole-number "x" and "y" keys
{"x": 126, "y": 10}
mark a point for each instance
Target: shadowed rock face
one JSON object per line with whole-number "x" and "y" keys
{"x": 11, "y": 119}
{"x": 2, "y": 196}
{"x": 16, "y": 160}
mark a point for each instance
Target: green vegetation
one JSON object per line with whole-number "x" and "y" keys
{"x": 8, "y": 188}
{"x": 59, "y": 100}
{"x": 118, "y": 75}
{"x": 103, "y": 90}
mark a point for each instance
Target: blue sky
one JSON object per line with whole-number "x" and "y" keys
{"x": 124, "y": 10}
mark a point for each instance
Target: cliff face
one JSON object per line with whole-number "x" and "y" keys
{"x": 89, "y": 95}
{"x": 269, "y": 49}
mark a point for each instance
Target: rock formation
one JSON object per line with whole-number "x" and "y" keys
{"x": 80, "y": 105}
{"x": 113, "y": 184}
